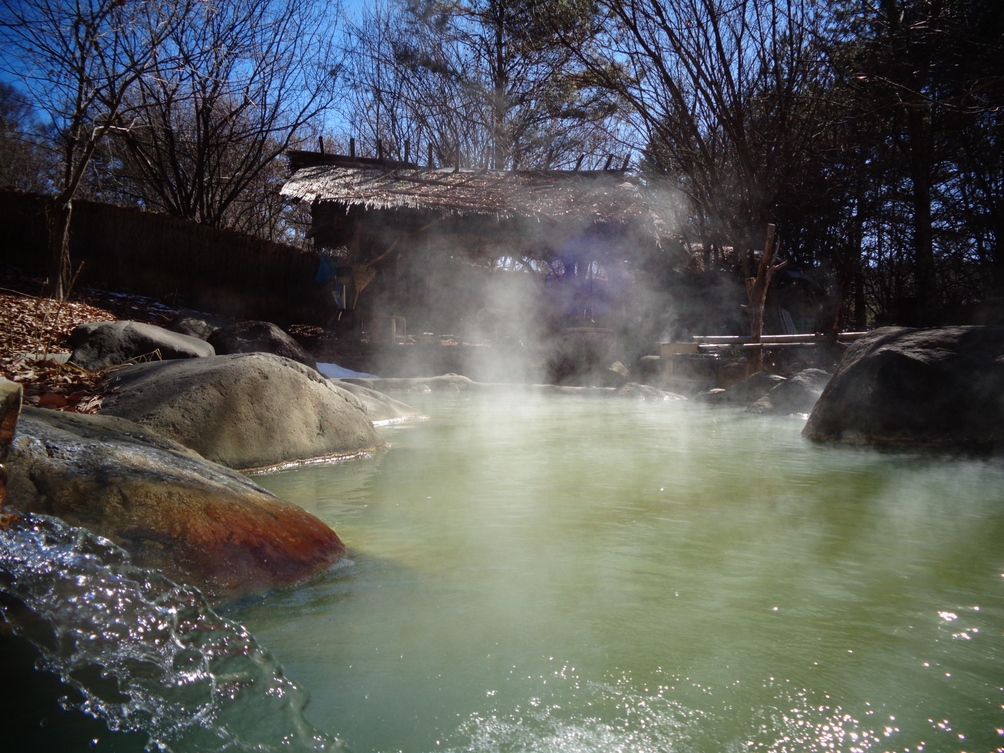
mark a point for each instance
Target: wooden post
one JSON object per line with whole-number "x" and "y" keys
{"x": 430, "y": 156}
{"x": 380, "y": 149}
{"x": 352, "y": 148}
{"x": 756, "y": 291}
{"x": 407, "y": 151}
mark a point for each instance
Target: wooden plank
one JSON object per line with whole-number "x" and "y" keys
{"x": 804, "y": 338}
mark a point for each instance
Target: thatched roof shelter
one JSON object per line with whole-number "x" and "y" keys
{"x": 530, "y": 211}
{"x": 555, "y": 196}
{"x": 429, "y": 238}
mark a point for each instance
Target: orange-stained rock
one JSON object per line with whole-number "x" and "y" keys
{"x": 10, "y": 409}
{"x": 196, "y": 521}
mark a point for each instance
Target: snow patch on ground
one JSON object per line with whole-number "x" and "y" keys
{"x": 334, "y": 371}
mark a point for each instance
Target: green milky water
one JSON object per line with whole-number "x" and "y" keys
{"x": 578, "y": 574}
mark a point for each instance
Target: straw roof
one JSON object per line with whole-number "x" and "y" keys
{"x": 555, "y": 196}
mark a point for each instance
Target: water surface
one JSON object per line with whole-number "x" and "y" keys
{"x": 575, "y": 574}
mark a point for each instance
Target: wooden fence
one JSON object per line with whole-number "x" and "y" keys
{"x": 174, "y": 260}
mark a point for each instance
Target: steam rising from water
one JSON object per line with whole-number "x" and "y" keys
{"x": 147, "y": 655}
{"x": 521, "y": 290}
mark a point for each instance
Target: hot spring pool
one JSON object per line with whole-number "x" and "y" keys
{"x": 575, "y": 574}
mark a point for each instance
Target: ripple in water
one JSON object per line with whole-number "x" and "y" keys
{"x": 147, "y": 655}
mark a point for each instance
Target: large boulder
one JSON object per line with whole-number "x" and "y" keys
{"x": 100, "y": 345}
{"x": 259, "y": 337}
{"x": 196, "y": 521}
{"x": 938, "y": 388}
{"x": 245, "y": 411}
{"x": 796, "y": 394}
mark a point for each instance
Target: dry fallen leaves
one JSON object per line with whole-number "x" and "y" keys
{"x": 34, "y": 329}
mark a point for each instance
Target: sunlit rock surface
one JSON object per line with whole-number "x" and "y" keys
{"x": 243, "y": 411}
{"x": 197, "y": 522}
{"x": 938, "y": 388}
{"x": 99, "y": 345}
{"x": 796, "y": 394}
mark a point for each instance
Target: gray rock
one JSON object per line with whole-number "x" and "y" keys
{"x": 259, "y": 337}
{"x": 714, "y": 396}
{"x": 939, "y": 388}
{"x": 751, "y": 389}
{"x": 100, "y": 345}
{"x": 244, "y": 411}
{"x": 376, "y": 405}
{"x": 198, "y": 324}
{"x": 196, "y": 521}
{"x": 797, "y": 394}
{"x": 444, "y": 383}
{"x": 644, "y": 392}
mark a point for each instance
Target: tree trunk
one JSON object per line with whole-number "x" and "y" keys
{"x": 860, "y": 302}
{"x": 919, "y": 152}
{"x": 499, "y": 87}
{"x": 924, "y": 273}
{"x": 756, "y": 290}
{"x": 57, "y": 215}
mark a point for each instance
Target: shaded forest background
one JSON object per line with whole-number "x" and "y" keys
{"x": 869, "y": 133}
